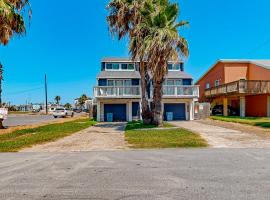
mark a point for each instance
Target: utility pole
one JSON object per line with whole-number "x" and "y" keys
{"x": 46, "y": 95}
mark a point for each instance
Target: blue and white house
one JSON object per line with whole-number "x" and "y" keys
{"x": 118, "y": 93}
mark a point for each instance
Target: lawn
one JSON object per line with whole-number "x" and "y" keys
{"x": 254, "y": 121}
{"x": 14, "y": 141}
{"x": 139, "y": 125}
{"x": 161, "y": 138}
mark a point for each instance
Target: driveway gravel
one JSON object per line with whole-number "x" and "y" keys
{"x": 103, "y": 136}
{"x": 220, "y": 137}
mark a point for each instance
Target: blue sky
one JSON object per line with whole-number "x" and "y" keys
{"x": 67, "y": 41}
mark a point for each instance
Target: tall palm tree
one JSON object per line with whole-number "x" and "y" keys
{"x": 12, "y": 19}
{"x": 82, "y": 99}
{"x": 57, "y": 99}
{"x": 161, "y": 43}
{"x": 124, "y": 16}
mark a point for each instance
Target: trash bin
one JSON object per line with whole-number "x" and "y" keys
{"x": 169, "y": 116}
{"x": 109, "y": 117}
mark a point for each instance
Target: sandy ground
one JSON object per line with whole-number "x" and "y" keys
{"x": 102, "y": 137}
{"x": 218, "y": 136}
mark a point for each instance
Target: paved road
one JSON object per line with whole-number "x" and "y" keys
{"x": 17, "y": 120}
{"x": 198, "y": 174}
{"x": 220, "y": 137}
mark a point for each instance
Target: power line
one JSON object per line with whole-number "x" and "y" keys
{"x": 24, "y": 91}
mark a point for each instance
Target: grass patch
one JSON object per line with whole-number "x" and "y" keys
{"x": 139, "y": 125}
{"x": 163, "y": 138}
{"x": 253, "y": 121}
{"x": 14, "y": 141}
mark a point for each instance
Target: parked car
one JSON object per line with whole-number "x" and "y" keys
{"x": 63, "y": 112}
{"x": 218, "y": 110}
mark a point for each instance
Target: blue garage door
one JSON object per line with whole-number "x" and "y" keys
{"x": 118, "y": 111}
{"x": 178, "y": 110}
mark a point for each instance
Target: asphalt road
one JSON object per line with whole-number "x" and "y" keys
{"x": 198, "y": 174}
{"x": 16, "y": 120}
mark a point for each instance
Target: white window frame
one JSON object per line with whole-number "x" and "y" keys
{"x": 114, "y": 82}
{"x": 174, "y": 80}
{"x": 120, "y": 66}
{"x": 174, "y": 70}
{"x": 207, "y": 85}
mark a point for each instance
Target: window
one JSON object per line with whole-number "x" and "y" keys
{"x": 174, "y": 67}
{"x": 124, "y": 66}
{"x": 115, "y": 66}
{"x": 108, "y": 66}
{"x": 216, "y": 82}
{"x": 207, "y": 86}
{"x": 131, "y": 66}
{"x": 173, "y": 82}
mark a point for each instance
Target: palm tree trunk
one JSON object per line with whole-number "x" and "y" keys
{"x": 146, "y": 112}
{"x": 157, "y": 102}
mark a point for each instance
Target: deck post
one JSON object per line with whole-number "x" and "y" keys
{"x": 242, "y": 106}
{"x": 129, "y": 111}
{"x": 268, "y": 106}
{"x": 225, "y": 106}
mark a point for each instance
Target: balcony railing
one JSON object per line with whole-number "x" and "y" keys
{"x": 181, "y": 91}
{"x": 120, "y": 92}
{"x": 247, "y": 87}
{"x": 135, "y": 91}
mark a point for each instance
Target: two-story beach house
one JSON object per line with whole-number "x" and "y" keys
{"x": 243, "y": 85}
{"x": 118, "y": 94}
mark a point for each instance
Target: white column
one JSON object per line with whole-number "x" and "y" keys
{"x": 243, "y": 106}
{"x": 98, "y": 111}
{"x": 268, "y": 106}
{"x": 191, "y": 110}
{"x": 129, "y": 114}
{"x": 140, "y": 110}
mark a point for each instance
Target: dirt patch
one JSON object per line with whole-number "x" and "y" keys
{"x": 102, "y": 137}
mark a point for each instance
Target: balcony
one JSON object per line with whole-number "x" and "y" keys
{"x": 135, "y": 91}
{"x": 181, "y": 91}
{"x": 247, "y": 87}
{"x": 117, "y": 92}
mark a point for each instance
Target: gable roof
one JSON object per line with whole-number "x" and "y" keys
{"x": 261, "y": 63}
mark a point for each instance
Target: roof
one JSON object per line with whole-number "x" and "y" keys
{"x": 261, "y": 63}
{"x": 119, "y": 74}
{"x": 116, "y": 59}
{"x": 136, "y": 74}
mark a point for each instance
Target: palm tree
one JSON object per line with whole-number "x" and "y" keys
{"x": 68, "y": 105}
{"x": 124, "y": 16}
{"x": 82, "y": 100}
{"x": 161, "y": 43}
{"x": 1, "y": 79}
{"x": 12, "y": 20}
{"x": 57, "y": 99}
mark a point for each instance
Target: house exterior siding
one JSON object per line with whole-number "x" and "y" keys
{"x": 240, "y": 82}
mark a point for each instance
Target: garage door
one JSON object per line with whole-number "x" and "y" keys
{"x": 178, "y": 110}
{"x": 118, "y": 111}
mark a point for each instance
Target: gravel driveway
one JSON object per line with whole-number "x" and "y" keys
{"x": 221, "y": 137}
{"x": 102, "y": 137}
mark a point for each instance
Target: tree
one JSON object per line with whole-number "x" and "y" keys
{"x": 124, "y": 16}
{"x": 68, "y": 106}
{"x": 82, "y": 99}
{"x": 161, "y": 43}
{"x": 12, "y": 22}
{"x": 57, "y": 99}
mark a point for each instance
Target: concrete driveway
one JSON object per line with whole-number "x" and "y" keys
{"x": 102, "y": 137}
{"x": 188, "y": 174}
{"x": 220, "y": 137}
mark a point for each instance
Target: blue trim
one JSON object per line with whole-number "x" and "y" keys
{"x": 178, "y": 110}
{"x": 102, "y": 82}
{"x": 135, "y": 109}
{"x": 118, "y": 111}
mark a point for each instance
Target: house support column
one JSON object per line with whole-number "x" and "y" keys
{"x": 140, "y": 110}
{"x": 268, "y": 106}
{"x": 129, "y": 114}
{"x": 191, "y": 110}
{"x": 98, "y": 111}
{"x": 242, "y": 106}
{"x": 225, "y": 106}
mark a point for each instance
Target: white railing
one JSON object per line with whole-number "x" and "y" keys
{"x": 121, "y": 91}
{"x": 181, "y": 91}
{"x": 190, "y": 91}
